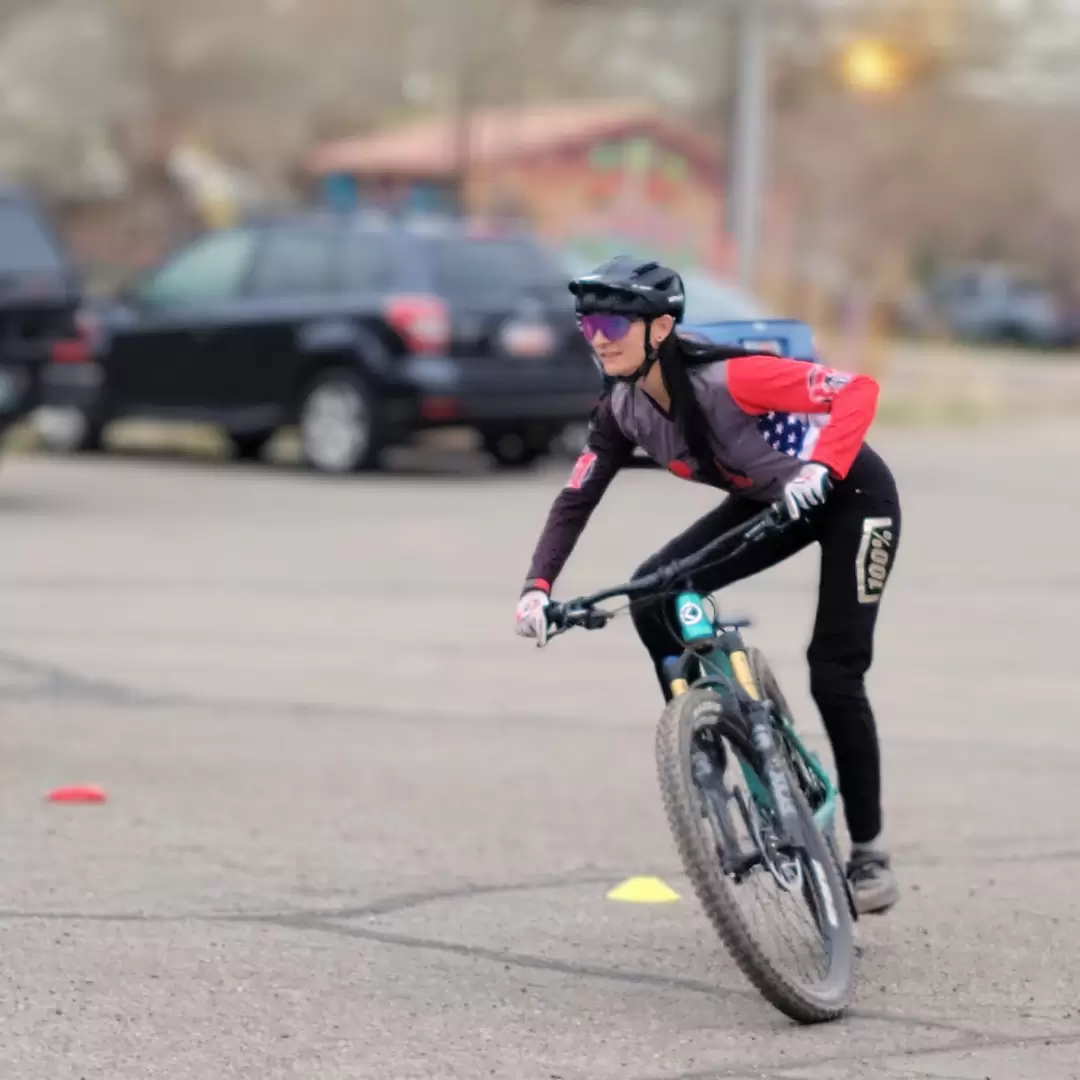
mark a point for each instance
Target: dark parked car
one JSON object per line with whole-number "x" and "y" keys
{"x": 987, "y": 302}
{"x": 359, "y": 328}
{"x": 39, "y": 293}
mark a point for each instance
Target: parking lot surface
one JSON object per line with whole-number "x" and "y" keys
{"x": 355, "y": 828}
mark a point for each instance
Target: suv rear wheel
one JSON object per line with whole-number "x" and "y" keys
{"x": 340, "y": 428}
{"x": 516, "y": 449}
{"x": 67, "y": 430}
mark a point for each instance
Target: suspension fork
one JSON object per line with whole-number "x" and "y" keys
{"x": 730, "y": 652}
{"x": 763, "y": 739}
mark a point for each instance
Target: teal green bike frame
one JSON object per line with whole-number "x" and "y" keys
{"x": 725, "y": 666}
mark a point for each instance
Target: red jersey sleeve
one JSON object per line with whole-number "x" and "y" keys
{"x": 761, "y": 384}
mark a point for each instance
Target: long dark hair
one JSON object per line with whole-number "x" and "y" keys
{"x": 677, "y": 355}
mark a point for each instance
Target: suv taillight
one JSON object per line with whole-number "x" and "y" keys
{"x": 422, "y": 321}
{"x": 69, "y": 351}
{"x": 78, "y": 348}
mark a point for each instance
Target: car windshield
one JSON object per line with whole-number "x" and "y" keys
{"x": 25, "y": 247}
{"x": 709, "y": 299}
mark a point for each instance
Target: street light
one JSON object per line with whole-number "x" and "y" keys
{"x": 872, "y": 66}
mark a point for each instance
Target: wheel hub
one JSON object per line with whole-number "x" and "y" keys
{"x": 335, "y": 426}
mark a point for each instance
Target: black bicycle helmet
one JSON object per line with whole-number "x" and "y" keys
{"x": 628, "y": 286}
{"x": 632, "y": 287}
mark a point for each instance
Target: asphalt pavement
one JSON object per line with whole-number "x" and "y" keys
{"x": 355, "y": 828}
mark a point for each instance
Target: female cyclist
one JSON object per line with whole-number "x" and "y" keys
{"x": 760, "y": 428}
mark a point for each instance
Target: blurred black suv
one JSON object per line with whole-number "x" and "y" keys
{"x": 360, "y": 329}
{"x": 39, "y": 294}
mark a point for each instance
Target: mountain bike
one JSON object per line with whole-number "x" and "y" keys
{"x": 765, "y": 824}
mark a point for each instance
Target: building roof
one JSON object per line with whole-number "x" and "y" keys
{"x": 428, "y": 147}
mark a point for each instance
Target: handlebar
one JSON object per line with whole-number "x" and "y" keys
{"x": 582, "y": 611}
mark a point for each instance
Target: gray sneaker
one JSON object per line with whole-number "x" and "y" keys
{"x": 872, "y": 882}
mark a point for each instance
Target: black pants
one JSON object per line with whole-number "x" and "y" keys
{"x": 858, "y": 529}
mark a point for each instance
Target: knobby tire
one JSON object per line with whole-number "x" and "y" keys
{"x": 804, "y": 1004}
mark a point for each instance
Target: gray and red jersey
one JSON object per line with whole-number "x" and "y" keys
{"x": 766, "y": 416}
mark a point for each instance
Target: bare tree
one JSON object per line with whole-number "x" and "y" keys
{"x": 259, "y": 80}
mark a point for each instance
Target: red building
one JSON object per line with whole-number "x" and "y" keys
{"x": 596, "y": 177}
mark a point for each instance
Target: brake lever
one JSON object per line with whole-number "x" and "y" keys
{"x": 777, "y": 517}
{"x": 566, "y": 617}
{"x": 756, "y": 532}
{"x": 597, "y": 620}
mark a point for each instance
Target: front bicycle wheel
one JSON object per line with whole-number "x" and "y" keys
{"x": 779, "y": 911}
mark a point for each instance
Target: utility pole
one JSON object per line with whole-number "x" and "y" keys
{"x": 463, "y": 103}
{"x": 747, "y": 152}
{"x": 746, "y": 172}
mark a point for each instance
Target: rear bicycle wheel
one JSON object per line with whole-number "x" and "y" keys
{"x": 743, "y": 891}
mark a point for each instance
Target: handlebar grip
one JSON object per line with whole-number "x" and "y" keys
{"x": 556, "y": 615}
{"x": 559, "y": 617}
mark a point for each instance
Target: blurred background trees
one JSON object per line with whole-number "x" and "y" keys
{"x": 928, "y": 128}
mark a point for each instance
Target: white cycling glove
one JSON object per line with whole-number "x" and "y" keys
{"x": 808, "y": 489}
{"x": 531, "y": 616}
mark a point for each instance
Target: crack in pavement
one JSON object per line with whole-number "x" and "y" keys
{"x": 387, "y": 906}
{"x": 565, "y": 967}
{"x": 392, "y": 905}
{"x": 59, "y": 683}
{"x": 973, "y": 1039}
{"x": 323, "y": 920}
{"x": 914, "y": 1074}
{"x": 329, "y": 921}
{"x": 790, "y": 1071}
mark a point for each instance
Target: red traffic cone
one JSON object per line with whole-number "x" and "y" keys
{"x": 78, "y": 793}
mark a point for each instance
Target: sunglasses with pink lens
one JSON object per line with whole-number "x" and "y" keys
{"x": 613, "y": 327}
